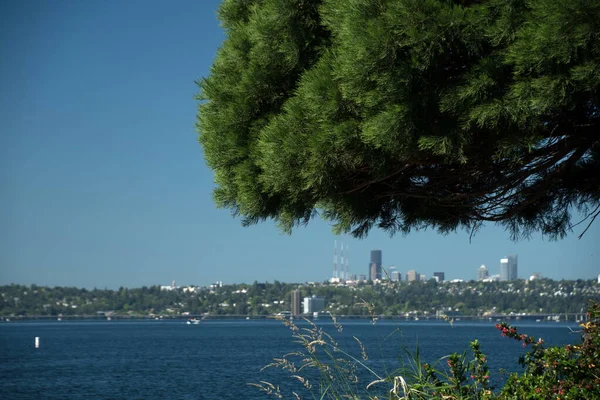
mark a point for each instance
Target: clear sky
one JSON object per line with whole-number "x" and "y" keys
{"x": 103, "y": 182}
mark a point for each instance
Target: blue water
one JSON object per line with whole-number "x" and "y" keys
{"x": 215, "y": 359}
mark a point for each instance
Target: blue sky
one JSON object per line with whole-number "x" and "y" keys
{"x": 103, "y": 183}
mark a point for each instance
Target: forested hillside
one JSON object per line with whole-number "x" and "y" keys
{"x": 388, "y": 299}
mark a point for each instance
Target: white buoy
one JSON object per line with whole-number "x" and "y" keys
{"x": 37, "y": 342}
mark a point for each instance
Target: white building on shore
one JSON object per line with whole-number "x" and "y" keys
{"x": 313, "y": 304}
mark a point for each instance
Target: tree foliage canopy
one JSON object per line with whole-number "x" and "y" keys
{"x": 406, "y": 114}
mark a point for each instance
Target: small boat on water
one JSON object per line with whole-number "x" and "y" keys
{"x": 193, "y": 321}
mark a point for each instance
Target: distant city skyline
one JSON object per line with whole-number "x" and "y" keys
{"x": 104, "y": 183}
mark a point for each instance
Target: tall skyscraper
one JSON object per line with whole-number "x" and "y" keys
{"x": 508, "y": 268}
{"x": 512, "y": 267}
{"x": 376, "y": 259}
{"x": 439, "y": 276}
{"x": 482, "y": 273}
{"x": 504, "y": 269}
{"x": 296, "y": 302}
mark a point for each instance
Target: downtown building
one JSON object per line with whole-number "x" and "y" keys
{"x": 375, "y": 265}
{"x": 508, "y": 268}
{"x": 295, "y": 302}
{"x": 483, "y": 273}
{"x": 439, "y": 276}
{"x": 412, "y": 276}
{"x": 313, "y": 304}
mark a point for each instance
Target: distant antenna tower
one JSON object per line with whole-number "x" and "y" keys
{"x": 335, "y": 258}
{"x": 347, "y": 264}
{"x": 342, "y": 260}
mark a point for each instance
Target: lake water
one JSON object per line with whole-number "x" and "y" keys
{"x": 215, "y": 359}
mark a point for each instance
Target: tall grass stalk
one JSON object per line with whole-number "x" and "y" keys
{"x": 326, "y": 371}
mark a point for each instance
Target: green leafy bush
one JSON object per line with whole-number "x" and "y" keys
{"x": 569, "y": 372}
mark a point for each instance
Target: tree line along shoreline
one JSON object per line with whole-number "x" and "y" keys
{"x": 393, "y": 300}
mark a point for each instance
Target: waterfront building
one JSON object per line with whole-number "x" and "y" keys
{"x": 411, "y": 275}
{"x": 439, "y": 276}
{"x": 376, "y": 259}
{"x": 483, "y": 273}
{"x": 508, "y": 268}
{"x": 313, "y": 304}
{"x": 295, "y": 302}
